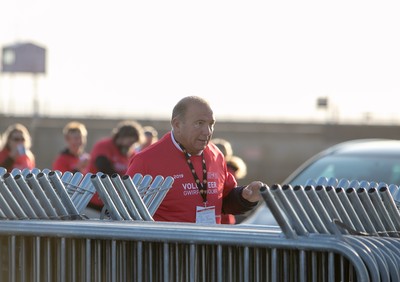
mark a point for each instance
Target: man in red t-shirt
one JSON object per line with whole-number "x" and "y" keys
{"x": 202, "y": 187}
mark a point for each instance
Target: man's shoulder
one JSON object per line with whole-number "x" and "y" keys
{"x": 212, "y": 149}
{"x": 162, "y": 146}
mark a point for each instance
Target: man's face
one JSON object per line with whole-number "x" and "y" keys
{"x": 195, "y": 129}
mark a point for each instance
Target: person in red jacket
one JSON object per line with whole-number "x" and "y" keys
{"x": 111, "y": 154}
{"x": 73, "y": 158}
{"x": 16, "y": 152}
{"x": 202, "y": 188}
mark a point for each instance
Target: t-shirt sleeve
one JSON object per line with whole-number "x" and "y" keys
{"x": 136, "y": 165}
{"x": 230, "y": 183}
{"x": 234, "y": 203}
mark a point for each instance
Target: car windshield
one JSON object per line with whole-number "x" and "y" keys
{"x": 378, "y": 169}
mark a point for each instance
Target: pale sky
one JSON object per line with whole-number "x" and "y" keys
{"x": 261, "y": 60}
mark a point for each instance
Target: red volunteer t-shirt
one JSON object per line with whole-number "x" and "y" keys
{"x": 167, "y": 159}
{"x": 107, "y": 148}
{"x": 65, "y": 161}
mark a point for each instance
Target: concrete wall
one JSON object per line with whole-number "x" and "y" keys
{"x": 271, "y": 150}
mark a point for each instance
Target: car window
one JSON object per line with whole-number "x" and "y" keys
{"x": 395, "y": 178}
{"x": 382, "y": 169}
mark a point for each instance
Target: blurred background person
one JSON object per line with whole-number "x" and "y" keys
{"x": 235, "y": 165}
{"x": 111, "y": 154}
{"x": 224, "y": 146}
{"x": 150, "y": 137}
{"x": 16, "y": 151}
{"x": 73, "y": 157}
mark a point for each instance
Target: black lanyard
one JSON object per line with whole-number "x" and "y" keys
{"x": 201, "y": 185}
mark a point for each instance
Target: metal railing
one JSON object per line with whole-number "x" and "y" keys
{"x": 106, "y": 250}
{"x": 36, "y": 194}
{"x": 331, "y": 207}
{"x": 343, "y": 208}
{"x": 329, "y": 231}
{"x": 127, "y": 198}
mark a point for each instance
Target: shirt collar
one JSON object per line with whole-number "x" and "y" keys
{"x": 174, "y": 141}
{"x": 177, "y": 145}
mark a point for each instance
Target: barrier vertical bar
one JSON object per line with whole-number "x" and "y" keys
{"x": 125, "y": 197}
{"x": 136, "y": 198}
{"x": 12, "y": 202}
{"x": 30, "y": 197}
{"x": 19, "y": 195}
{"x": 51, "y": 194}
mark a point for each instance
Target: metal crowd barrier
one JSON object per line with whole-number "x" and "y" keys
{"x": 362, "y": 214}
{"x": 47, "y": 194}
{"x": 331, "y": 206}
{"x": 107, "y": 250}
{"x": 329, "y": 231}
{"x": 127, "y": 198}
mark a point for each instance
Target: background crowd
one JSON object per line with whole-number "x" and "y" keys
{"x": 110, "y": 154}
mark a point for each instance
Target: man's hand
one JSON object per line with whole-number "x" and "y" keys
{"x": 252, "y": 191}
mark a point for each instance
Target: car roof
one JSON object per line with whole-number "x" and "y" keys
{"x": 356, "y": 147}
{"x": 366, "y": 147}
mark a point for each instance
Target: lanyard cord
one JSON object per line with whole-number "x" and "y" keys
{"x": 202, "y": 186}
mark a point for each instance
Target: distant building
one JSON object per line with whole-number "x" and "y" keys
{"x": 23, "y": 58}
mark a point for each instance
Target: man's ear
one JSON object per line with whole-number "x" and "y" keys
{"x": 176, "y": 123}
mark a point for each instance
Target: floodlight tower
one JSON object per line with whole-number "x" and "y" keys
{"x": 25, "y": 58}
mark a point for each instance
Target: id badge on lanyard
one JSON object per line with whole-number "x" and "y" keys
{"x": 205, "y": 215}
